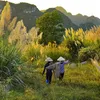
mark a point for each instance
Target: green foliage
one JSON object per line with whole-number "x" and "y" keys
{"x": 89, "y": 52}
{"x": 74, "y": 41}
{"x": 32, "y": 51}
{"x": 79, "y": 83}
{"x": 54, "y": 51}
{"x": 2, "y": 92}
{"x": 98, "y": 50}
{"x": 9, "y": 60}
{"x": 74, "y": 47}
{"x": 51, "y": 25}
{"x": 10, "y": 63}
{"x": 33, "y": 55}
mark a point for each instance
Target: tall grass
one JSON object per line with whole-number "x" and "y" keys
{"x": 9, "y": 63}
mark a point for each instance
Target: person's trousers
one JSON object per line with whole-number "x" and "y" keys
{"x": 61, "y": 76}
{"x": 48, "y": 77}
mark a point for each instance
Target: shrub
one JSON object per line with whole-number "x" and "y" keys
{"x": 54, "y": 51}
{"x": 9, "y": 63}
{"x": 86, "y": 53}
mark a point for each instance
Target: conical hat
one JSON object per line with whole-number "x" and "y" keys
{"x": 61, "y": 59}
{"x": 48, "y": 59}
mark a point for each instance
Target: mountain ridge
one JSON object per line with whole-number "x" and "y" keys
{"x": 29, "y": 13}
{"x": 79, "y": 18}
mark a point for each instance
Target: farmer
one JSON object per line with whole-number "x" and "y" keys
{"x": 49, "y": 61}
{"x": 58, "y": 67}
{"x": 62, "y": 63}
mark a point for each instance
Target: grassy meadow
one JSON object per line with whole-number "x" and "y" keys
{"x": 21, "y": 67}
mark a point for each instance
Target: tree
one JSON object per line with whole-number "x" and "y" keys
{"x": 52, "y": 27}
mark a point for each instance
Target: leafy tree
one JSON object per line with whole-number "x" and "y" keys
{"x": 51, "y": 25}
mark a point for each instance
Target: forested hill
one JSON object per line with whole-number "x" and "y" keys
{"x": 29, "y": 13}
{"x": 66, "y": 21}
{"x": 24, "y": 11}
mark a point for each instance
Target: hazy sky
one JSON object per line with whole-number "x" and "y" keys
{"x": 85, "y": 7}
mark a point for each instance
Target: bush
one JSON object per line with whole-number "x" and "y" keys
{"x": 9, "y": 60}
{"x": 9, "y": 63}
{"x": 86, "y": 53}
{"x": 55, "y": 52}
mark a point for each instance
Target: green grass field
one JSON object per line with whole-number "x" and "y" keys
{"x": 81, "y": 82}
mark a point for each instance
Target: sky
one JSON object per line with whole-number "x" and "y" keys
{"x": 84, "y": 7}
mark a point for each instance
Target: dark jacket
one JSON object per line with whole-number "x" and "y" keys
{"x": 49, "y": 71}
